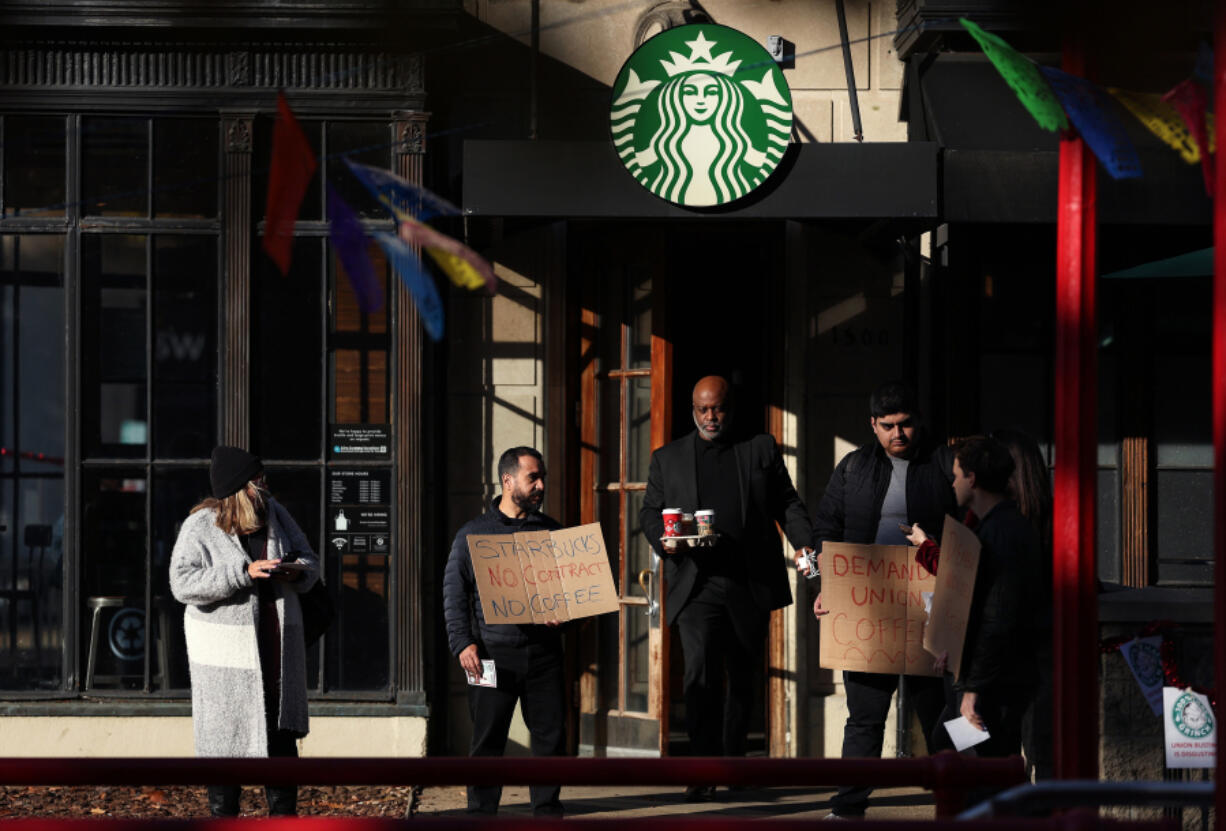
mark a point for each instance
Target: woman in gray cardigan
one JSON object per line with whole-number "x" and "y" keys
{"x": 239, "y": 564}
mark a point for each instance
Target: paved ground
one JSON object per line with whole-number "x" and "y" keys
{"x": 610, "y": 803}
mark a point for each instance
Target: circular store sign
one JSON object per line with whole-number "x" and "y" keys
{"x": 701, "y": 115}
{"x": 1191, "y": 717}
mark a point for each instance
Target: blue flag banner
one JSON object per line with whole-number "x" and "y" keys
{"x": 401, "y": 197}
{"x": 1092, "y": 112}
{"x": 349, "y": 243}
{"x": 408, "y": 265}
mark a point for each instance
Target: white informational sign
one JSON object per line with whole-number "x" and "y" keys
{"x": 1144, "y": 658}
{"x": 1191, "y": 729}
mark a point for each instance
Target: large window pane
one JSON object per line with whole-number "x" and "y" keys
{"x": 312, "y": 202}
{"x": 636, "y": 651}
{"x": 33, "y": 150}
{"x": 114, "y": 300}
{"x": 638, "y": 428}
{"x": 175, "y": 492}
{"x": 115, "y": 167}
{"x": 1185, "y": 526}
{"x": 31, "y": 470}
{"x": 185, "y": 167}
{"x": 367, "y": 142}
{"x": 287, "y": 354}
{"x": 111, "y": 604}
{"x": 185, "y": 346}
{"x": 32, "y": 351}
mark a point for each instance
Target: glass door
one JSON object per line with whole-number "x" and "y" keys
{"x": 622, "y": 421}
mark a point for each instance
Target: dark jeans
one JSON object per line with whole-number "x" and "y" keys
{"x": 1037, "y": 724}
{"x": 539, "y": 691}
{"x": 282, "y": 799}
{"x": 721, "y": 638}
{"x": 868, "y": 704}
{"x": 1002, "y": 710}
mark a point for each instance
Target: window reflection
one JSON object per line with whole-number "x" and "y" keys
{"x": 114, "y": 300}
{"x": 112, "y": 598}
{"x": 33, "y": 150}
{"x": 185, "y": 346}
{"x": 114, "y": 167}
{"x": 185, "y": 168}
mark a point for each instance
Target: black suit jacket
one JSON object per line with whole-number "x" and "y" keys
{"x": 767, "y": 497}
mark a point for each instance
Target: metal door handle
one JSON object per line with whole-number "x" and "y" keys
{"x": 647, "y": 579}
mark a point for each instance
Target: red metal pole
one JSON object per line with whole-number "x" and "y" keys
{"x": 1219, "y": 392}
{"x": 1073, "y": 567}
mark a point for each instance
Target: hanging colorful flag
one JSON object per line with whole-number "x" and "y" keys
{"x": 1091, "y": 111}
{"x": 349, "y": 243}
{"x": 293, "y": 165}
{"x": 1190, "y": 99}
{"x": 1023, "y": 76}
{"x": 404, "y": 199}
{"x": 466, "y": 268}
{"x": 1164, "y": 121}
{"x": 420, "y": 284}
{"x": 1144, "y": 658}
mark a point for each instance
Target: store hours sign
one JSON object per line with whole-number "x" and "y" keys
{"x": 701, "y": 115}
{"x": 359, "y": 511}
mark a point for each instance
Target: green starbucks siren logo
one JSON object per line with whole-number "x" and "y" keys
{"x": 701, "y": 115}
{"x": 1192, "y": 717}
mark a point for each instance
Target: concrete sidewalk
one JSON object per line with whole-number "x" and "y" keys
{"x": 584, "y": 802}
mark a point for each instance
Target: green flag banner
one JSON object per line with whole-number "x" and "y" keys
{"x": 1023, "y": 76}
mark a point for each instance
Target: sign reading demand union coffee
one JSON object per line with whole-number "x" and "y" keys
{"x": 701, "y": 115}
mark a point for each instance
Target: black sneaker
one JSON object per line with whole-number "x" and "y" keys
{"x": 699, "y": 793}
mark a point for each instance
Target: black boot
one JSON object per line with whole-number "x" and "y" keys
{"x": 223, "y": 800}
{"x": 282, "y": 800}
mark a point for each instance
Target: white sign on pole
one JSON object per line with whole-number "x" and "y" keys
{"x": 1191, "y": 729}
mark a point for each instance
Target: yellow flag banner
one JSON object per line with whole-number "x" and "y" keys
{"x": 1165, "y": 122}
{"x": 463, "y": 266}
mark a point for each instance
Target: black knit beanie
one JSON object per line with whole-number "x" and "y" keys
{"x": 231, "y": 469}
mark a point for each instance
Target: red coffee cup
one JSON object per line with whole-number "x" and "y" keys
{"x": 672, "y": 522}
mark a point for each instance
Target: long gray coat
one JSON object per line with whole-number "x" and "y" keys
{"x": 208, "y": 573}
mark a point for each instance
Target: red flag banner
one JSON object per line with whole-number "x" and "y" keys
{"x": 1189, "y": 97}
{"x": 293, "y": 165}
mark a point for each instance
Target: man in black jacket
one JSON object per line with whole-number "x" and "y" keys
{"x": 999, "y": 667}
{"x": 527, "y": 658}
{"x": 721, "y": 596}
{"x": 895, "y": 480}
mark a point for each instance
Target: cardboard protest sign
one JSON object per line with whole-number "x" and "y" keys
{"x": 1191, "y": 731}
{"x": 543, "y": 576}
{"x": 955, "y": 585}
{"x": 875, "y": 594}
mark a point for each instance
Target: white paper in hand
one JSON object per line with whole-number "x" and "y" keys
{"x": 489, "y": 677}
{"x": 965, "y": 734}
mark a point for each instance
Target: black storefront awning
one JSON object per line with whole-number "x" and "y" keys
{"x": 585, "y": 179}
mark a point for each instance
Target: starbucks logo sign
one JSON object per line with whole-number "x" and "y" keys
{"x": 1191, "y": 717}
{"x": 701, "y": 115}
{"x": 1147, "y": 662}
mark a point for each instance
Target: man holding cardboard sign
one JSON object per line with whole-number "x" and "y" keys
{"x": 509, "y": 662}
{"x": 895, "y": 480}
